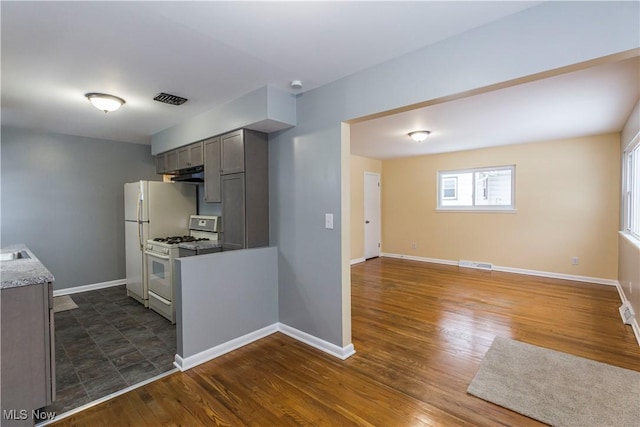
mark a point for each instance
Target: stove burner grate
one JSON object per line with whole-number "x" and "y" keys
{"x": 172, "y": 240}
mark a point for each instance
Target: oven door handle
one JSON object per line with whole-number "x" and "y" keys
{"x": 153, "y": 254}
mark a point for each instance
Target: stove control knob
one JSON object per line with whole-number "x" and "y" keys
{"x": 149, "y": 246}
{"x": 166, "y": 250}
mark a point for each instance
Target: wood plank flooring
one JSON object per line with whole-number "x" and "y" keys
{"x": 420, "y": 331}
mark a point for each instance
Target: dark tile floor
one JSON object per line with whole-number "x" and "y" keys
{"x": 107, "y": 344}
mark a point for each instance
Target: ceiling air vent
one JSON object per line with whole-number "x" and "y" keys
{"x": 170, "y": 99}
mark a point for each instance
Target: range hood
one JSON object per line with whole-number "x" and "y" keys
{"x": 193, "y": 176}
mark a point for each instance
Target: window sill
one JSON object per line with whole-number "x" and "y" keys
{"x": 631, "y": 238}
{"x": 471, "y": 210}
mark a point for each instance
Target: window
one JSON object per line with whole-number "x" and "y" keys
{"x": 631, "y": 189}
{"x": 450, "y": 188}
{"x": 477, "y": 189}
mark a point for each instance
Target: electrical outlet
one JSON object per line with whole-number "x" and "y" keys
{"x": 414, "y": 245}
{"x": 575, "y": 260}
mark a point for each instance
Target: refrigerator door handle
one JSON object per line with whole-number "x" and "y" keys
{"x": 139, "y": 212}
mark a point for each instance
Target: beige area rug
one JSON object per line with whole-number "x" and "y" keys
{"x": 63, "y": 303}
{"x": 557, "y": 388}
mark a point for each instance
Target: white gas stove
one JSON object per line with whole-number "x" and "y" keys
{"x": 162, "y": 251}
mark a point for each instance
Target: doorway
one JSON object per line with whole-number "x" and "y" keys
{"x": 371, "y": 215}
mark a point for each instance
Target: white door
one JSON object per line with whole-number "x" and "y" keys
{"x": 371, "y": 215}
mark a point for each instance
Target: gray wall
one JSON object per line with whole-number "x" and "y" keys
{"x": 205, "y": 208}
{"x": 305, "y": 161}
{"x": 220, "y": 299}
{"x": 265, "y": 109}
{"x": 304, "y": 178}
{"x": 62, "y": 196}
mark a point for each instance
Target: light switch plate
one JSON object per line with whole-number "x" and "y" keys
{"x": 328, "y": 221}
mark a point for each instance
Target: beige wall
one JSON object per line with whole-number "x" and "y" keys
{"x": 567, "y": 201}
{"x": 629, "y": 263}
{"x": 359, "y": 165}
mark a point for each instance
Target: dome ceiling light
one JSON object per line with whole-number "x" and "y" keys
{"x": 105, "y": 102}
{"x": 419, "y": 135}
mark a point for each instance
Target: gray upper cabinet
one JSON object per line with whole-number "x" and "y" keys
{"x": 212, "y": 192}
{"x": 245, "y": 189}
{"x": 172, "y": 161}
{"x": 161, "y": 163}
{"x": 236, "y": 174}
{"x": 196, "y": 155}
{"x": 167, "y": 162}
{"x": 190, "y": 156}
{"x": 232, "y": 152}
{"x": 183, "y": 158}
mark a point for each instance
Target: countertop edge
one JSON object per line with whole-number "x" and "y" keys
{"x": 23, "y": 272}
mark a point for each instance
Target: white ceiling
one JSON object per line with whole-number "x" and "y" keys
{"x": 592, "y": 101}
{"x": 209, "y": 52}
{"x": 213, "y": 52}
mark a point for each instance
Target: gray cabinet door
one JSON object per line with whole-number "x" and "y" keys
{"x": 233, "y": 211}
{"x": 172, "y": 161}
{"x": 212, "y": 170}
{"x": 183, "y": 157}
{"x": 232, "y": 152}
{"x": 190, "y": 156}
{"x": 27, "y": 362}
{"x": 161, "y": 163}
{"x": 195, "y": 154}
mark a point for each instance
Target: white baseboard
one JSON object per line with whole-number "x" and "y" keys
{"x": 418, "y": 258}
{"x": 549, "y": 274}
{"x": 322, "y": 345}
{"x": 85, "y": 288}
{"x": 357, "y": 260}
{"x": 623, "y": 297}
{"x": 552, "y": 275}
{"x": 586, "y": 279}
{"x": 204, "y": 356}
{"x": 636, "y": 329}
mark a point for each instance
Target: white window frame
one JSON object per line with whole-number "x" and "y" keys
{"x": 631, "y": 188}
{"x": 475, "y": 208}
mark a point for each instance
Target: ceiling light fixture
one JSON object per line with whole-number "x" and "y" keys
{"x": 296, "y": 84}
{"x": 419, "y": 135}
{"x": 105, "y": 102}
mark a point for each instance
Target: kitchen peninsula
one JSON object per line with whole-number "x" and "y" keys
{"x": 27, "y": 347}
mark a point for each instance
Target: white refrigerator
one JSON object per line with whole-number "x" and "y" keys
{"x": 152, "y": 209}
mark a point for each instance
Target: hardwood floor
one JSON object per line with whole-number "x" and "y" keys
{"x": 420, "y": 331}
